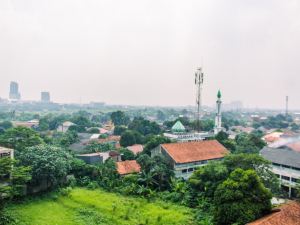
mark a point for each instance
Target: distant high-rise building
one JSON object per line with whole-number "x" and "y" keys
{"x": 14, "y": 93}
{"x": 45, "y": 96}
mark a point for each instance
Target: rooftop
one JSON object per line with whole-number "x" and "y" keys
{"x": 283, "y": 156}
{"x": 136, "y": 148}
{"x": 195, "y": 151}
{"x": 127, "y": 167}
{"x": 287, "y": 214}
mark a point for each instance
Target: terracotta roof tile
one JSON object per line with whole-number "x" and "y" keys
{"x": 288, "y": 214}
{"x": 127, "y": 167}
{"x": 195, "y": 151}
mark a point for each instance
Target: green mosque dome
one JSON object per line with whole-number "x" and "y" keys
{"x": 178, "y": 127}
{"x": 219, "y": 94}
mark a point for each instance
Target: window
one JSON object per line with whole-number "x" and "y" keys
{"x": 184, "y": 171}
{"x": 285, "y": 178}
{"x": 191, "y": 169}
{"x": 295, "y": 180}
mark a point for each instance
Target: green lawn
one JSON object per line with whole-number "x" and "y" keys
{"x": 88, "y": 207}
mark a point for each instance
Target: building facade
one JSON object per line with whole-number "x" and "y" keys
{"x": 14, "y": 93}
{"x": 45, "y": 97}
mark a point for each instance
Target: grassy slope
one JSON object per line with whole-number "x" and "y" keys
{"x": 88, "y": 207}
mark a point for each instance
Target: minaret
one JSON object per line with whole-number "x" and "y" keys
{"x": 218, "y": 119}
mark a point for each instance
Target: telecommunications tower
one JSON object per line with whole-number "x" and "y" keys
{"x": 199, "y": 83}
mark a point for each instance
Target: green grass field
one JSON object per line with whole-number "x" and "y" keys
{"x": 89, "y": 207}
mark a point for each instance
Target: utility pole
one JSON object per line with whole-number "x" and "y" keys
{"x": 199, "y": 83}
{"x": 286, "y": 105}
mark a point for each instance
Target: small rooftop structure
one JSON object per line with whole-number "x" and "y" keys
{"x": 135, "y": 149}
{"x": 287, "y": 214}
{"x": 128, "y": 167}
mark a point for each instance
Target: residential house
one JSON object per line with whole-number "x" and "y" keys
{"x": 64, "y": 127}
{"x": 99, "y": 157}
{"x": 128, "y": 167}
{"x": 135, "y": 149}
{"x": 6, "y": 152}
{"x": 286, "y": 214}
{"x": 186, "y": 157}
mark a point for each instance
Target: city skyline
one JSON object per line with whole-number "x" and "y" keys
{"x": 147, "y": 54}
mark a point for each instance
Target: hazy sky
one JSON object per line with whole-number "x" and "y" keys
{"x": 145, "y": 52}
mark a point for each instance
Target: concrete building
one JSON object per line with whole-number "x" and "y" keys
{"x": 188, "y": 156}
{"x": 45, "y": 97}
{"x": 14, "y": 93}
{"x": 286, "y": 165}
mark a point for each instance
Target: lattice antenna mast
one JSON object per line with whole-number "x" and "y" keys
{"x": 286, "y": 105}
{"x": 199, "y": 83}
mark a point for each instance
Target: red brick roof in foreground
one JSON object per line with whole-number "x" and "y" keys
{"x": 195, "y": 151}
{"x": 288, "y": 214}
{"x": 128, "y": 166}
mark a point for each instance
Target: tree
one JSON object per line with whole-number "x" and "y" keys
{"x": 126, "y": 154}
{"x": 19, "y": 138}
{"x": 119, "y": 118}
{"x": 254, "y": 162}
{"x": 6, "y": 125}
{"x": 206, "y": 179}
{"x": 130, "y": 137}
{"x": 156, "y": 172}
{"x": 241, "y": 198}
{"x": 248, "y": 143}
{"x": 154, "y": 142}
{"x": 82, "y": 121}
{"x": 145, "y": 127}
{"x": 119, "y": 130}
{"x": 48, "y": 163}
{"x": 160, "y": 115}
{"x": 15, "y": 177}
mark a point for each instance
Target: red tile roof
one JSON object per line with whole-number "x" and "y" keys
{"x": 128, "y": 166}
{"x": 287, "y": 214}
{"x": 195, "y": 151}
{"x": 136, "y": 148}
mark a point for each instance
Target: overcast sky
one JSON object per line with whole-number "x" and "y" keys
{"x": 145, "y": 52}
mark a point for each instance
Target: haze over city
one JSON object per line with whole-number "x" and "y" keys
{"x": 146, "y": 52}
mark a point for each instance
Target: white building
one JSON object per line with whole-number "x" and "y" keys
{"x": 286, "y": 165}
{"x": 218, "y": 119}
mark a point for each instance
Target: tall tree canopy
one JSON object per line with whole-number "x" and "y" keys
{"x": 241, "y": 198}
{"x": 119, "y": 118}
{"x": 19, "y": 138}
{"x": 48, "y": 163}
